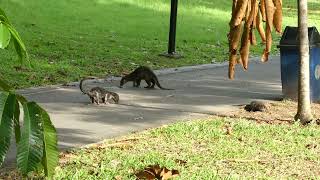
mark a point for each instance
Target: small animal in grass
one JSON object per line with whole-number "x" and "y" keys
{"x": 256, "y": 106}
{"x": 142, "y": 73}
{"x": 97, "y": 93}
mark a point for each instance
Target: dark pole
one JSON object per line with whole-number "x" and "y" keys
{"x": 173, "y": 27}
{"x": 172, "y": 32}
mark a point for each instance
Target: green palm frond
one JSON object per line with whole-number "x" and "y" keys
{"x": 7, "y": 106}
{"x": 30, "y": 147}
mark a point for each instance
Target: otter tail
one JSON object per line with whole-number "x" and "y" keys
{"x": 81, "y": 84}
{"x": 116, "y": 98}
{"x": 158, "y": 84}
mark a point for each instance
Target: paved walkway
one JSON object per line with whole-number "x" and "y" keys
{"x": 199, "y": 91}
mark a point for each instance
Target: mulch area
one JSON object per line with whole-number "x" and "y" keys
{"x": 276, "y": 113}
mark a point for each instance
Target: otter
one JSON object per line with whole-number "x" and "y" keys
{"x": 142, "y": 73}
{"x": 256, "y": 106}
{"x": 97, "y": 93}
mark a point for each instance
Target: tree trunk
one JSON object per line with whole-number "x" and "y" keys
{"x": 304, "y": 108}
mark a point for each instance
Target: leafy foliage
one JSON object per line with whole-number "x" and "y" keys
{"x": 31, "y": 144}
{"x": 6, "y": 113}
{"x": 6, "y": 31}
{"x": 4, "y": 36}
{"x": 37, "y": 142}
{"x": 50, "y": 153}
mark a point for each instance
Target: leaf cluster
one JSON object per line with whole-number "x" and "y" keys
{"x": 35, "y": 136}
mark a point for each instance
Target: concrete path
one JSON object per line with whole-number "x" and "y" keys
{"x": 199, "y": 91}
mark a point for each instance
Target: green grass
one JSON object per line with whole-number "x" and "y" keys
{"x": 252, "y": 150}
{"x": 70, "y": 39}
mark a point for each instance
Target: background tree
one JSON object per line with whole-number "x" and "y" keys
{"x": 304, "y": 108}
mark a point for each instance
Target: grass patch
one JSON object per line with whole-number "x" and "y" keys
{"x": 70, "y": 39}
{"x": 202, "y": 149}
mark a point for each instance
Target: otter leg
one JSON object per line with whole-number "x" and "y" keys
{"x": 104, "y": 99}
{"x": 153, "y": 83}
{"x": 97, "y": 98}
{"x": 107, "y": 97}
{"x": 115, "y": 100}
{"x": 92, "y": 100}
{"x": 138, "y": 81}
{"x": 149, "y": 84}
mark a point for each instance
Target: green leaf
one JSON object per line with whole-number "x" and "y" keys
{"x": 17, "y": 131}
{"x": 18, "y": 50}
{"x": 4, "y": 36}
{"x": 30, "y": 147}
{"x": 50, "y": 153}
{"x": 21, "y": 99}
{"x": 2, "y": 13}
{"x": 18, "y": 43}
{"x": 17, "y": 37}
{"x": 7, "y": 105}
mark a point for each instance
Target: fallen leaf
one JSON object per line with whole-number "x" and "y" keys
{"x": 181, "y": 162}
{"x": 156, "y": 169}
{"x": 240, "y": 139}
{"x": 145, "y": 175}
{"x": 167, "y": 174}
{"x": 118, "y": 177}
{"x": 228, "y": 130}
{"x": 311, "y": 146}
{"x": 156, "y": 172}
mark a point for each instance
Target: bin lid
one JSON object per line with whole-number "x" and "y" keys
{"x": 290, "y": 37}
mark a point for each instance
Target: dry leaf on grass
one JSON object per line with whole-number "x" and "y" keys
{"x": 152, "y": 172}
{"x": 181, "y": 162}
{"x": 118, "y": 177}
{"x": 228, "y": 129}
{"x": 311, "y": 146}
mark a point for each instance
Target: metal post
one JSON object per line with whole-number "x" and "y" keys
{"x": 172, "y": 32}
{"x": 173, "y": 27}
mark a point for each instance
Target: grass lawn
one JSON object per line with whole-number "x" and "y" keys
{"x": 202, "y": 149}
{"x": 75, "y": 38}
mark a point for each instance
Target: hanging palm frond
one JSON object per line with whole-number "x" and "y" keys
{"x": 248, "y": 15}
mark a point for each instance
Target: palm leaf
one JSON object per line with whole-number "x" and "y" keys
{"x": 7, "y": 104}
{"x": 30, "y": 147}
{"x": 50, "y": 152}
{"x": 16, "y": 120}
{"x": 4, "y": 36}
{"x": 18, "y": 43}
{"x": 2, "y": 13}
{"x": 21, "y": 99}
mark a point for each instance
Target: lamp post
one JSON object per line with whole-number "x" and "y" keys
{"x": 172, "y": 32}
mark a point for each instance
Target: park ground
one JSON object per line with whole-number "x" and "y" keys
{"x": 68, "y": 40}
{"x": 71, "y": 39}
{"x": 267, "y": 146}
{"x": 233, "y": 145}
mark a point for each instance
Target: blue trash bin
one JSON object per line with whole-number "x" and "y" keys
{"x": 289, "y": 54}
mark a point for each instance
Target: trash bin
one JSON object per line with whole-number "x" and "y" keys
{"x": 289, "y": 54}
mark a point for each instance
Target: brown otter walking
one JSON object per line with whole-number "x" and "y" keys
{"x": 142, "y": 73}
